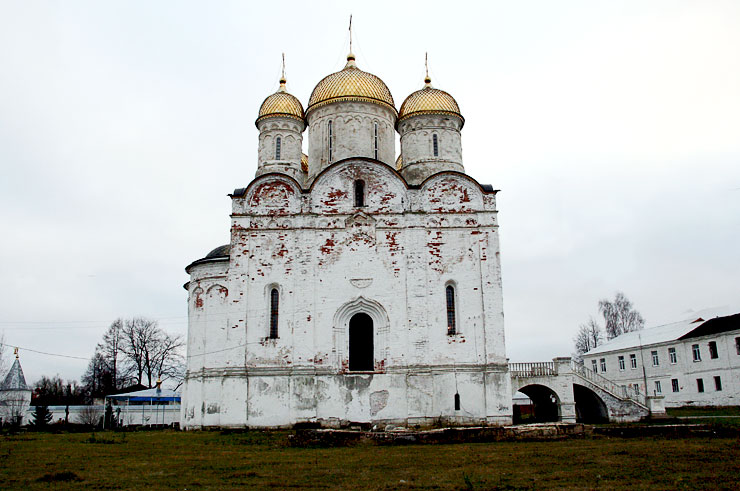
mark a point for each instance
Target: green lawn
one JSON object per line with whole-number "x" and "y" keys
{"x": 214, "y": 460}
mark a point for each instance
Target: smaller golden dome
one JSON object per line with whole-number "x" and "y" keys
{"x": 350, "y": 84}
{"x": 281, "y": 104}
{"x": 304, "y": 162}
{"x": 429, "y": 101}
{"x": 399, "y": 162}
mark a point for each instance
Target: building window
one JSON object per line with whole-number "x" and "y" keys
{"x": 602, "y": 362}
{"x": 674, "y": 384}
{"x": 278, "y": 143}
{"x": 457, "y": 402}
{"x": 695, "y": 351}
{"x": 713, "y": 354}
{"x": 359, "y": 193}
{"x": 737, "y": 345}
{"x": 594, "y": 367}
{"x": 375, "y": 141}
{"x": 672, "y": 356}
{"x": 700, "y": 385}
{"x": 654, "y": 354}
{"x": 274, "y": 299}
{"x": 636, "y": 388}
{"x": 717, "y": 382}
{"x": 633, "y": 361}
{"x": 450, "y": 293}
{"x": 658, "y": 390}
{"x": 435, "y": 145}
{"x": 621, "y": 362}
{"x": 331, "y": 140}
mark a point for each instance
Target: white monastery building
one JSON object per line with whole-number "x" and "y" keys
{"x": 692, "y": 362}
{"x": 359, "y": 286}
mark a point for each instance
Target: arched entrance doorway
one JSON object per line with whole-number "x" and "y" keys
{"x": 361, "y": 349}
{"x": 545, "y": 402}
{"x": 589, "y": 406}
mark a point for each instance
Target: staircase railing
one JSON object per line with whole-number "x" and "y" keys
{"x": 621, "y": 391}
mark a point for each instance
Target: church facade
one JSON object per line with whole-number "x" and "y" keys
{"x": 358, "y": 286}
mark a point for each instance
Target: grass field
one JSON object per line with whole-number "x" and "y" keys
{"x": 214, "y": 460}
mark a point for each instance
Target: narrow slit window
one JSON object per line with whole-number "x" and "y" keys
{"x": 359, "y": 193}
{"x": 451, "y": 328}
{"x": 457, "y": 402}
{"x": 274, "y": 300}
{"x": 331, "y": 140}
{"x": 278, "y": 144}
{"x": 435, "y": 145}
{"x": 375, "y": 141}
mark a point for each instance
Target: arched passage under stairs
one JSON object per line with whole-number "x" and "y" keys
{"x": 590, "y": 408}
{"x": 545, "y": 405}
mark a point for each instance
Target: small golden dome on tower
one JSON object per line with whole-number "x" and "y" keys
{"x": 281, "y": 104}
{"x": 304, "y": 162}
{"x": 399, "y": 162}
{"x": 350, "y": 84}
{"x": 429, "y": 100}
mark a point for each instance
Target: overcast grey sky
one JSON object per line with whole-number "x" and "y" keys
{"x": 612, "y": 129}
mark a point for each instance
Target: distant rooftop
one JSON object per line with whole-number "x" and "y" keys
{"x": 702, "y": 323}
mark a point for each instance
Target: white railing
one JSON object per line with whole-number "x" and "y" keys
{"x": 621, "y": 391}
{"x": 533, "y": 369}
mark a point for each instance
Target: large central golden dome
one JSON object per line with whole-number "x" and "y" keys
{"x": 353, "y": 85}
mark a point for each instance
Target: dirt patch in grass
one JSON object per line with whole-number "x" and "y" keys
{"x": 60, "y": 477}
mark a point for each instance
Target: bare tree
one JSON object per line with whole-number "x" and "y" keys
{"x": 150, "y": 351}
{"x": 111, "y": 350}
{"x": 97, "y": 379}
{"x": 588, "y": 337}
{"x": 620, "y": 316}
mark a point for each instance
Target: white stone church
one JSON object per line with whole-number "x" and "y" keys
{"x": 358, "y": 286}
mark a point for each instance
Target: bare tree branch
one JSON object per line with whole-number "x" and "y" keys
{"x": 620, "y": 316}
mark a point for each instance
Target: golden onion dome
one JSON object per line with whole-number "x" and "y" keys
{"x": 281, "y": 104}
{"x": 350, "y": 85}
{"x": 304, "y": 162}
{"x": 399, "y": 162}
{"x": 429, "y": 100}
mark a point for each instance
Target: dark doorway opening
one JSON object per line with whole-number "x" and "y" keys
{"x": 361, "y": 357}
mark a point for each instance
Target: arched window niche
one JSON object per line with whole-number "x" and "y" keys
{"x": 435, "y": 145}
{"x": 375, "y": 140}
{"x": 278, "y": 145}
{"x": 359, "y": 193}
{"x": 273, "y": 311}
{"x": 331, "y": 140}
{"x": 451, "y": 308}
